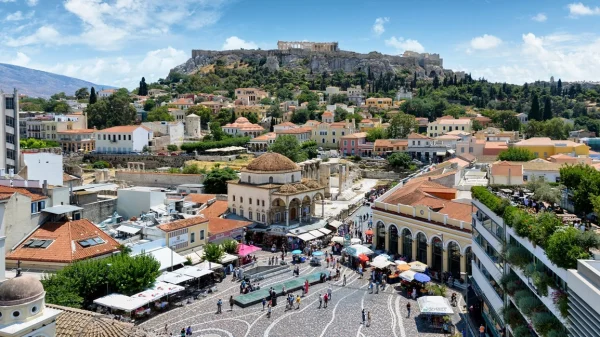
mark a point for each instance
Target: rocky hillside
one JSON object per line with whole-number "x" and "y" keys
{"x": 425, "y": 65}
{"x": 37, "y": 83}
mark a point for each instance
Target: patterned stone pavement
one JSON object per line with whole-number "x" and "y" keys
{"x": 341, "y": 318}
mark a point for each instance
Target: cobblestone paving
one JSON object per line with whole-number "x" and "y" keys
{"x": 342, "y": 317}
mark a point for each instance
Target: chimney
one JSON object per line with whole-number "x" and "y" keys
{"x": 45, "y": 188}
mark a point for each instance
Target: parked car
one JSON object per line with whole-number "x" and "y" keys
{"x": 162, "y": 154}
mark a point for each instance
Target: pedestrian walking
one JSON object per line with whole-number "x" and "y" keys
{"x": 329, "y": 291}
{"x": 269, "y": 311}
{"x": 369, "y": 318}
{"x": 297, "y": 301}
{"x": 407, "y": 310}
{"x": 188, "y": 332}
{"x": 182, "y": 332}
{"x": 370, "y": 287}
{"x": 414, "y": 294}
{"x": 166, "y": 329}
{"x": 344, "y": 279}
{"x": 219, "y": 304}
{"x": 481, "y": 331}
{"x": 320, "y": 301}
{"x": 377, "y": 287}
{"x": 363, "y": 317}
{"x": 276, "y": 260}
{"x": 231, "y": 303}
{"x": 326, "y": 299}
{"x": 264, "y": 301}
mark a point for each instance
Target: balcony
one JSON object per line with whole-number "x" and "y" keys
{"x": 486, "y": 288}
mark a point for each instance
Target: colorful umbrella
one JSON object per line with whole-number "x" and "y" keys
{"x": 403, "y": 267}
{"x": 420, "y": 277}
{"x": 369, "y": 232}
{"x": 317, "y": 253}
{"x": 296, "y": 252}
{"x": 363, "y": 258}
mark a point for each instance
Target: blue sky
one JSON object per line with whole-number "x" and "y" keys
{"x": 116, "y": 42}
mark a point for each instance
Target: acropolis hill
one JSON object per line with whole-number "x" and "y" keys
{"x": 319, "y": 57}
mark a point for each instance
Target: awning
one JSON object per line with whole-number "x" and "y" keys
{"x": 408, "y": 275}
{"x": 209, "y": 265}
{"x": 440, "y": 153}
{"x": 451, "y": 151}
{"x": 325, "y": 231}
{"x": 435, "y": 305}
{"x": 335, "y": 224}
{"x": 174, "y": 278}
{"x": 356, "y": 250}
{"x": 166, "y": 257}
{"x": 244, "y": 250}
{"x": 196, "y": 257}
{"x": 61, "y": 209}
{"x": 193, "y": 272}
{"x": 120, "y": 302}
{"x": 338, "y": 239}
{"x": 128, "y": 229}
{"x": 316, "y": 233}
{"x": 417, "y": 266}
{"x": 381, "y": 264}
{"x": 306, "y": 237}
{"x": 158, "y": 291}
{"x": 227, "y": 258}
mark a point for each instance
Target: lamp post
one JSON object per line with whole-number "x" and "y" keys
{"x": 108, "y": 265}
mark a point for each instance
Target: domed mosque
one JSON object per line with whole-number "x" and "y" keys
{"x": 271, "y": 191}
{"x": 24, "y": 312}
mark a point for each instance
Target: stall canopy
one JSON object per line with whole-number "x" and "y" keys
{"x": 420, "y": 277}
{"x": 228, "y": 258}
{"x": 434, "y": 305}
{"x": 356, "y": 250}
{"x": 306, "y": 237}
{"x": 128, "y": 229}
{"x": 335, "y": 224}
{"x": 166, "y": 257}
{"x": 120, "y": 302}
{"x": 355, "y": 241}
{"x": 381, "y": 264}
{"x": 382, "y": 257}
{"x": 244, "y": 250}
{"x": 316, "y": 233}
{"x": 196, "y": 257}
{"x": 338, "y": 239}
{"x": 208, "y": 265}
{"x": 158, "y": 291}
{"x": 324, "y": 231}
{"x": 193, "y": 271}
{"x": 417, "y": 266}
{"x": 408, "y": 275}
{"x": 174, "y": 278}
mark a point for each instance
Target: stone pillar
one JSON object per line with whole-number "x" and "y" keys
{"x": 287, "y": 215}
{"x": 414, "y": 250}
{"x": 429, "y": 255}
{"x": 323, "y": 208}
{"x": 444, "y": 260}
{"x": 387, "y": 241}
{"x": 400, "y": 243}
{"x": 463, "y": 263}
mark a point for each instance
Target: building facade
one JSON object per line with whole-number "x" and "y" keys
{"x": 584, "y": 299}
{"x": 443, "y": 125}
{"x": 9, "y": 129}
{"x": 242, "y": 127}
{"x": 250, "y": 96}
{"x": 329, "y": 135}
{"x": 81, "y": 140}
{"x": 123, "y": 139}
{"x": 356, "y": 145}
{"x": 186, "y": 234}
{"x": 544, "y": 147}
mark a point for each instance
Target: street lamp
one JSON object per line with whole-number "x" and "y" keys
{"x": 108, "y": 265}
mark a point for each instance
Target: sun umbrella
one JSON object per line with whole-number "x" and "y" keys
{"x": 418, "y": 266}
{"x": 408, "y": 275}
{"x": 420, "y": 277}
{"x": 363, "y": 258}
{"x": 317, "y": 253}
{"x": 400, "y": 262}
{"x": 384, "y": 256}
{"x": 296, "y": 252}
{"x": 403, "y": 267}
{"x": 368, "y": 232}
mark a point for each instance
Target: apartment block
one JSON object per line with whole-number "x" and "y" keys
{"x": 9, "y": 129}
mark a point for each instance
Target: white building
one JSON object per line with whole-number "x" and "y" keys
{"x": 174, "y": 130}
{"x": 242, "y": 127}
{"x": 9, "y": 131}
{"x": 136, "y": 200}
{"x": 193, "y": 127}
{"x": 106, "y": 93}
{"x": 332, "y": 107}
{"x": 523, "y": 118}
{"x": 123, "y": 139}
{"x": 271, "y": 191}
{"x": 44, "y": 166}
{"x": 426, "y": 149}
{"x": 584, "y": 298}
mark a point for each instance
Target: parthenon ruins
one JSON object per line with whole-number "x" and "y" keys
{"x": 312, "y": 46}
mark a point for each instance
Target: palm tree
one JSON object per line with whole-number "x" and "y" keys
{"x": 213, "y": 253}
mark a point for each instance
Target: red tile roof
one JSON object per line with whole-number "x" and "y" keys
{"x": 218, "y": 225}
{"x": 76, "y": 131}
{"x": 183, "y": 223}
{"x": 65, "y": 247}
{"x": 200, "y": 198}
{"x": 124, "y": 128}
{"x": 6, "y": 192}
{"x": 417, "y": 136}
{"x": 215, "y": 210}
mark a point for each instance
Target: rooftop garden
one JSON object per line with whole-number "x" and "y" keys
{"x": 563, "y": 245}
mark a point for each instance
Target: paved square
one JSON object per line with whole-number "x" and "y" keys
{"x": 342, "y": 317}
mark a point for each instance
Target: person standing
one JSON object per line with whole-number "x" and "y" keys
{"x": 329, "y": 291}
{"x": 166, "y": 329}
{"x": 182, "y": 333}
{"x": 320, "y": 301}
{"x": 363, "y": 316}
{"x": 219, "y": 304}
{"x": 269, "y": 311}
{"x": 297, "y": 301}
{"x": 264, "y": 301}
{"x": 231, "y": 303}
{"x": 369, "y": 318}
{"x": 344, "y": 279}
{"x": 326, "y": 299}
{"x": 445, "y": 328}
{"x": 481, "y": 331}
{"x": 407, "y": 310}
{"x": 414, "y": 294}
{"x": 188, "y": 332}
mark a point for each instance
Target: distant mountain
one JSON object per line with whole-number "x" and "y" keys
{"x": 37, "y": 83}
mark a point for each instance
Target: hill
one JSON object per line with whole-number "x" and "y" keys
{"x": 37, "y": 83}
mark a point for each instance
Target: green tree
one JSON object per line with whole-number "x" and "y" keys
{"x": 401, "y": 125}
{"x": 455, "y": 111}
{"x": 300, "y": 116}
{"x": 62, "y": 107}
{"x": 113, "y": 111}
{"x": 230, "y": 246}
{"x": 172, "y": 147}
{"x": 535, "y": 113}
{"x": 534, "y": 128}
{"x": 160, "y": 114}
{"x": 376, "y": 133}
{"x": 516, "y": 154}
{"x": 476, "y": 125}
{"x": 201, "y": 111}
{"x": 217, "y": 132}
{"x": 400, "y": 160}
{"x": 307, "y": 96}
{"x": 309, "y": 148}
{"x": 288, "y": 146}
{"x": 59, "y": 96}
{"x": 547, "y": 108}
{"x": 564, "y": 248}
{"x": 82, "y": 93}
{"x": 213, "y": 253}
{"x": 93, "y": 97}
{"x": 149, "y": 104}
{"x": 216, "y": 180}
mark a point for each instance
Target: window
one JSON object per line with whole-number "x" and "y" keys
{"x": 413, "y": 142}
{"x": 263, "y": 203}
{"x": 129, "y": 137}
{"x": 193, "y": 238}
{"x": 91, "y": 242}
{"x": 250, "y": 215}
{"x": 345, "y": 143}
{"x": 119, "y": 137}
{"x": 35, "y": 243}
{"x": 104, "y": 137}
{"x": 463, "y": 128}
{"x": 343, "y": 133}
{"x": 10, "y": 154}
{"x": 249, "y": 179}
{"x": 10, "y": 103}
{"x": 257, "y": 202}
{"x": 234, "y": 212}
{"x": 10, "y": 121}
{"x": 241, "y": 212}
{"x": 263, "y": 218}
{"x": 444, "y": 128}
{"x": 462, "y": 150}
{"x": 10, "y": 138}
{"x": 333, "y": 133}
{"x": 524, "y": 178}
{"x": 293, "y": 178}
{"x": 250, "y": 201}
{"x": 270, "y": 182}
{"x": 202, "y": 234}
{"x": 419, "y": 142}
{"x": 242, "y": 199}
{"x": 352, "y": 143}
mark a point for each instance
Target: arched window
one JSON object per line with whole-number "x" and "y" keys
{"x": 233, "y": 197}
{"x": 241, "y": 199}
{"x": 257, "y": 202}
{"x": 263, "y": 218}
{"x": 270, "y": 180}
{"x": 293, "y": 178}
{"x": 250, "y": 201}
{"x": 249, "y": 179}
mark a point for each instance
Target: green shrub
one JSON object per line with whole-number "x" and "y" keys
{"x": 544, "y": 322}
{"x": 522, "y": 331}
{"x": 489, "y": 199}
{"x": 529, "y": 305}
{"x": 230, "y": 246}
{"x": 518, "y": 256}
{"x": 101, "y": 164}
{"x": 546, "y": 224}
{"x": 172, "y": 147}
{"x": 512, "y": 316}
{"x": 561, "y": 300}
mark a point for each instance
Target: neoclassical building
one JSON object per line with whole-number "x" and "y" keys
{"x": 272, "y": 190}
{"x": 243, "y": 127}
{"x": 420, "y": 221}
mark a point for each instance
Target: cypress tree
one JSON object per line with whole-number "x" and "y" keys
{"x": 559, "y": 90}
{"x": 93, "y": 97}
{"x": 455, "y": 82}
{"x": 547, "y": 108}
{"x": 535, "y": 114}
{"x": 436, "y": 81}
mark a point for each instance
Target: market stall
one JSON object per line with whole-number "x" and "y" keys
{"x": 174, "y": 278}
{"x": 417, "y": 266}
{"x": 120, "y": 302}
{"x": 436, "y": 308}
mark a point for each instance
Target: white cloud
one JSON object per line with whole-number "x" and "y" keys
{"x": 235, "y": 42}
{"x": 579, "y": 9}
{"x": 7, "y": 1}
{"x": 402, "y": 45}
{"x": 32, "y": 3}
{"x": 18, "y": 16}
{"x": 539, "y": 17}
{"x": 157, "y": 63}
{"x": 44, "y": 35}
{"x": 379, "y": 25}
{"x": 485, "y": 42}
{"x": 21, "y": 59}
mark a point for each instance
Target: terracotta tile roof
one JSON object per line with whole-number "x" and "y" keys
{"x": 417, "y": 136}
{"x": 65, "y": 248}
{"x": 218, "y": 225}
{"x": 461, "y": 163}
{"x": 215, "y": 210}
{"x": 200, "y": 198}
{"x": 124, "y": 128}
{"x": 265, "y": 137}
{"x": 68, "y": 177}
{"x": 82, "y": 323}
{"x": 366, "y": 121}
{"x": 496, "y": 145}
{"x": 294, "y": 131}
{"x": 327, "y": 113}
{"x": 182, "y": 101}
{"x": 288, "y": 124}
{"x": 355, "y": 135}
{"x": 540, "y": 165}
{"x": 77, "y": 131}
{"x": 452, "y": 121}
{"x": 6, "y": 192}
{"x": 504, "y": 168}
{"x": 183, "y": 223}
